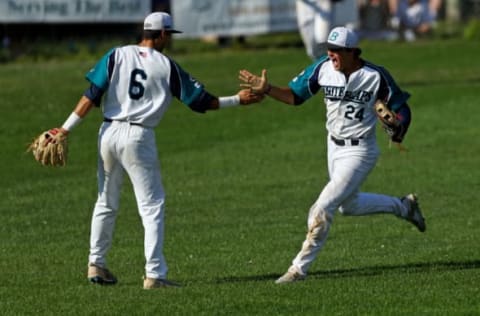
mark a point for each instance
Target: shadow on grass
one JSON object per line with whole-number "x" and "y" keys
{"x": 426, "y": 267}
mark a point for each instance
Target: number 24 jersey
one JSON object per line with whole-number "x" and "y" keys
{"x": 349, "y": 101}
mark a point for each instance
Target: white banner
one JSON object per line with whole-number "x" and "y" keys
{"x": 198, "y": 18}
{"x": 68, "y": 11}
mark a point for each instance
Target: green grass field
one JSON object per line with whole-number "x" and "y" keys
{"x": 239, "y": 184}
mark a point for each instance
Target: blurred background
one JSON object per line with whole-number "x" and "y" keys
{"x": 47, "y": 29}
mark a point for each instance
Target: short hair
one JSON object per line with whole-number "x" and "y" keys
{"x": 356, "y": 51}
{"x": 151, "y": 34}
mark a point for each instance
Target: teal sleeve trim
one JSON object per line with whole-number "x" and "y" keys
{"x": 100, "y": 74}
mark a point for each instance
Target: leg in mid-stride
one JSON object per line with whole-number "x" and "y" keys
{"x": 411, "y": 212}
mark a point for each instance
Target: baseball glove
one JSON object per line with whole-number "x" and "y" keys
{"x": 50, "y": 148}
{"x": 394, "y": 129}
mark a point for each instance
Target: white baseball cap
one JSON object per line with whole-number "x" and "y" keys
{"x": 157, "y": 21}
{"x": 342, "y": 37}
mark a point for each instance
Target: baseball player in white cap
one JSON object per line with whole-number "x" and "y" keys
{"x": 351, "y": 86}
{"x": 138, "y": 84}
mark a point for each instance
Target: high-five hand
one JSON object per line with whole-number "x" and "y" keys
{"x": 247, "y": 97}
{"x": 253, "y": 82}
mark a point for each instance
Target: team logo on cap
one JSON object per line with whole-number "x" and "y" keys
{"x": 333, "y": 36}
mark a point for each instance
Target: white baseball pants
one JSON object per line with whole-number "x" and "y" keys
{"x": 124, "y": 147}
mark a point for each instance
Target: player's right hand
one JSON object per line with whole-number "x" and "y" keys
{"x": 247, "y": 97}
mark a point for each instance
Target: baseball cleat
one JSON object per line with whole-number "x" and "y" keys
{"x": 414, "y": 214}
{"x": 99, "y": 275}
{"x": 151, "y": 283}
{"x": 292, "y": 275}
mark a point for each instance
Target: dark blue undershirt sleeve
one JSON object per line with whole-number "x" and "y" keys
{"x": 95, "y": 94}
{"x": 296, "y": 99}
{"x": 404, "y": 115}
{"x": 202, "y": 103}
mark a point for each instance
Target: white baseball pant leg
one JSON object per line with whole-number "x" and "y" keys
{"x": 349, "y": 166}
{"x": 110, "y": 178}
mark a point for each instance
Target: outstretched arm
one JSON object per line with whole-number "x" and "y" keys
{"x": 191, "y": 92}
{"x": 261, "y": 86}
{"x": 243, "y": 97}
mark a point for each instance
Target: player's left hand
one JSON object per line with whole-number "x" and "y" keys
{"x": 253, "y": 82}
{"x": 50, "y": 147}
{"x": 247, "y": 97}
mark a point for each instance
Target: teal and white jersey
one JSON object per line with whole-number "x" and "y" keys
{"x": 139, "y": 83}
{"x": 350, "y": 101}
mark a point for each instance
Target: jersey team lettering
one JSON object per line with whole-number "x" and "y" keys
{"x": 339, "y": 93}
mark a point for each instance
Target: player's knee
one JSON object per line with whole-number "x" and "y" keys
{"x": 319, "y": 216}
{"x": 348, "y": 207}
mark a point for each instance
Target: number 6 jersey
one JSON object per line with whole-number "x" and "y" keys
{"x": 139, "y": 82}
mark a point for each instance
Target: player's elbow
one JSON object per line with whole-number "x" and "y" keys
{"x": 296, "y": 100}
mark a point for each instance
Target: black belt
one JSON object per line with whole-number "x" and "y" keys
{"x": 342, "y": 142}
{"x": 131, "y": 123}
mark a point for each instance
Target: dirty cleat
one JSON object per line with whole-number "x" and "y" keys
{"x": 414, "y": 214}
{"x": 151, "y": 283}
{"x": 292, "y": 275}
{"x": 99, "y": 275}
